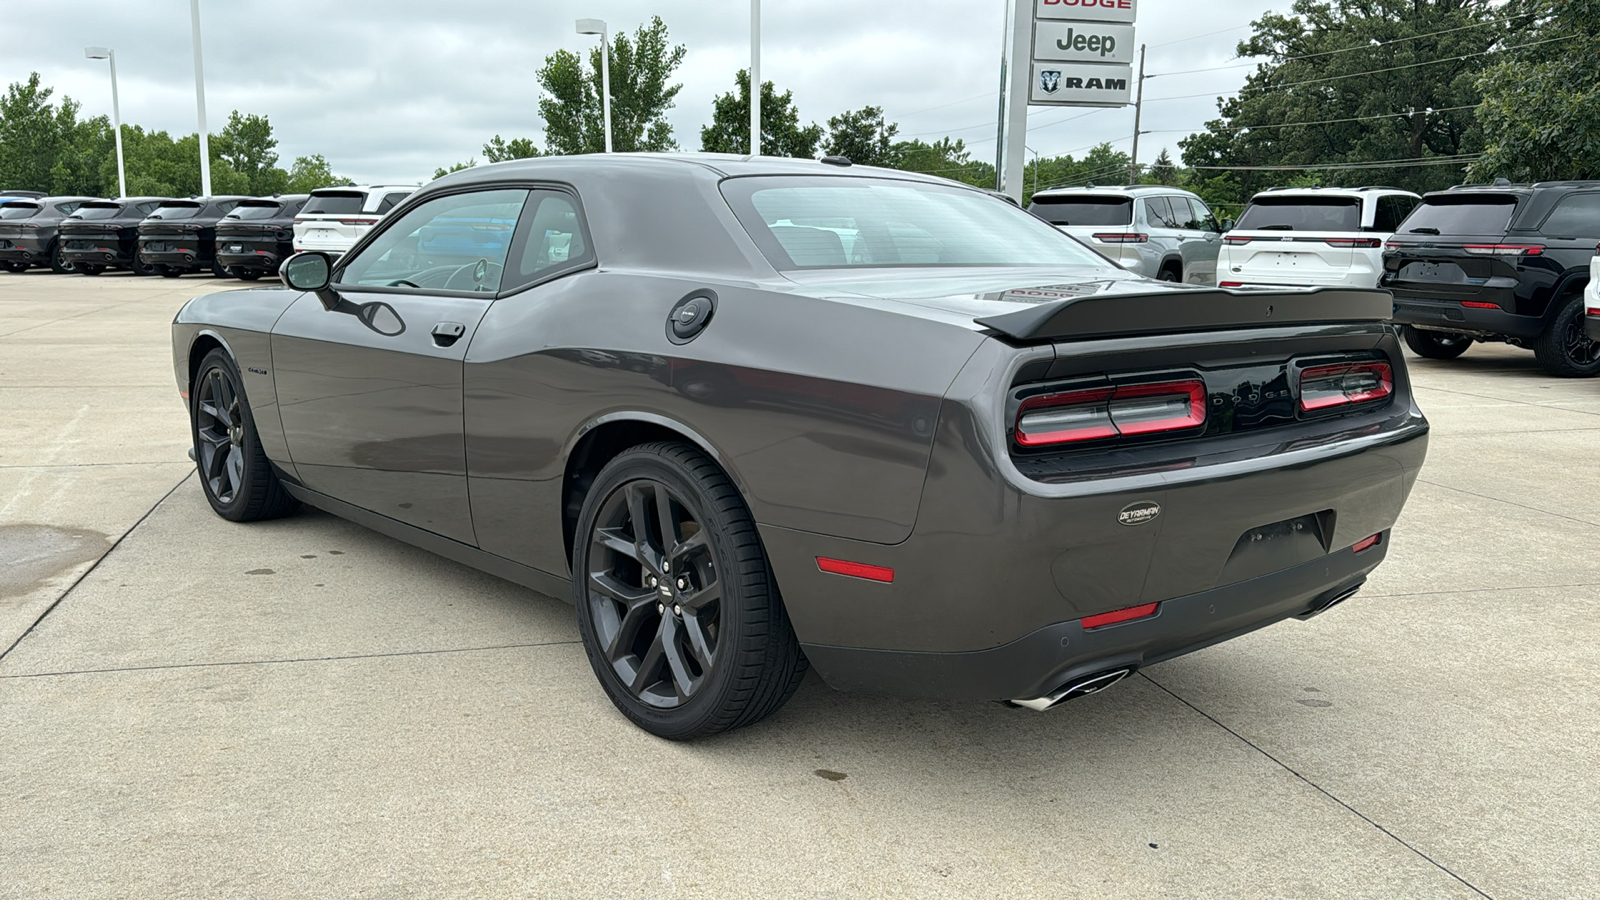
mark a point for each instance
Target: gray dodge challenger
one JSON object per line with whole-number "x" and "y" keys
{"x": 758, "y": 415}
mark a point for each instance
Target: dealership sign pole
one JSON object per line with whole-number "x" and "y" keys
{"x": 1060, "y": 53}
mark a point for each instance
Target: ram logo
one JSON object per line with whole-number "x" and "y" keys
{"x": 1049, "y": 81}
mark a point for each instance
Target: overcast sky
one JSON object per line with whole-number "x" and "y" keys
{"x": 391, "y": 90}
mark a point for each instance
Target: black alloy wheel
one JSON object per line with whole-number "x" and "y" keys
{"x": 1565, "y": 350}
{"x": 238, "y": 481}
{"x": 1435, "y": 344}
{"x": 1168, "y": 274}
{"x": 219, "y": 270}
{"x": 58, "y": 264}
{"x": 678, "y": 610}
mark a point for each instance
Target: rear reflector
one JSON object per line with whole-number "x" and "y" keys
{"x": 1325, "y": 387}
{"x": 1107, "y": 412}
{"x": 1367, "y": 543}
{"x": 855, "y": 569}
{"x": 1121, "y": 615}
{"x": 1504, "y": 249}
{"x": 1354, "y": 242}
{"x": 1479, "y": 304}
{"x": 1230, "y": 284}
{"x": 1122, "y": 238}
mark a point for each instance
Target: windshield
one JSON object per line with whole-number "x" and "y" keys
{"x": 256, "y": 209}
{"x": 1084, "y": 210}
{"x": 335, "y": 204}
{"x": 18, "y": 210}
{"x": 1301, "y": 214}
{"x": 810, "y": 222}
{"x": 1461, "y": 215}
{"x": 97, "y": 211}
{"x": 176, "y": 211}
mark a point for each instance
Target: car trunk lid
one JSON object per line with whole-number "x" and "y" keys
{"x": 1454, "y": 247}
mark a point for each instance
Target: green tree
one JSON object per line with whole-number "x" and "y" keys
{"x": 1163, "y": 170}
{"x": 311, "y": 172}
{"x": 946, "y": 158}
{"x": 246, "y": 144}
{"x": 499, "y": 149}
{"x": 457, "y": 167}
{"x": 1354, "y": 82}
{"x": 34, "y": 134}
{"x": 1541, "y": 102}
{"x": 863, "y": 137}
{"x": 640, "y": 95}
{"x": 781, "y": 131}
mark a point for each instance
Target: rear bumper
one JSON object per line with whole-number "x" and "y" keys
{"x": 28, "y": 250}
{"x": 183, "y": 258}
{"x": 107, "y": 254}
{"x": 1449, "y": 315}
{"x": 264, "y": 260}
{"x": 1040, "y": 661}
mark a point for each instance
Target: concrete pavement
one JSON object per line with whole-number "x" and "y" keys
{"x": 305, "y": 708}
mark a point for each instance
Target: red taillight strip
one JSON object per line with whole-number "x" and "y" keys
{"x": 1366, "y": 544}
{"x": 1353, "y": 242}
{"x": 855, "y": 569}
{"x": 1122, "y": 615}
{"x": 1479, "y": 304}
{"x": 1343, "y": 396}
{"x": 1196, "y": 415}
{"x": 1100, "y": 407}
{"x": 1122, "y": 238}
{"x": 1230, "y": 284}
{"x": 1504, "y": 249}
{"x": 1237, "y": 239}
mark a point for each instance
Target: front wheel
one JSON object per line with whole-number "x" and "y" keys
{"x": 234, "y": 473}
{"x": 1436, "y": 344}
{"x": 677, "y": 607}
{"x": 1564, "y": 350}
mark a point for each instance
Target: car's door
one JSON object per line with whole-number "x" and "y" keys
{"x": 1200, "y": 252}
{"x": 370, "y": 391}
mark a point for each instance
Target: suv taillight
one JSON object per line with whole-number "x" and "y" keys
{"x": 361, "y": 221}
{"x": 1121, "y": 238}
{"x": 1504, "y": 249}
{"x": 1326, "y": 387}
{"x": 1108, "y": 412}
{"x": 1354, "y": 242}
{"x": 1236, "y": 240}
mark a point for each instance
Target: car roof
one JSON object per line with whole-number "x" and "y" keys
{"x": 368, "y": 188}
{"x": 1367, "y": 191}
{"x": 1116, "y": 190}
{"x": 712, "y": 165}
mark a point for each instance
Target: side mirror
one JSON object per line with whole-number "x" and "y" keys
{"x": 1227, "y": 224}
{"x": 310, "y": 270}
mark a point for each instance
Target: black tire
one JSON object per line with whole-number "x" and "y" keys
{"x": 234, "y": 473}
{"x": 59, "y": 265}
{"x": 1436, "y": 344}
{"x": 1564, "y": 350}
{"x": 90, "y": 269}
{"x": 1168, "y": 273}
{"x": 219, "y": 270}
{"x": 244, "y": 274}
{"x": 711, "y": 649}
{"x": 140, "y": 267}
{"x": 16, "y": 267}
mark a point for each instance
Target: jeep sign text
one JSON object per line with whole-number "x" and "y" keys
{"x": 1087, "y": 10}
{"x": 1083, "y": 42}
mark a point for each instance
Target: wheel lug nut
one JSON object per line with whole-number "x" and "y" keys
{"x": 653, "y": 581}
{"x": 683, "y": 584}
{"x": 666, "y": 565}
{"x": 677, "y": 610}
{"x": 661, "y": 608}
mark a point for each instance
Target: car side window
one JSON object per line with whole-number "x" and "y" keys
{"x": 1158, "y": 212}
{"x": 553, "y": 239}
{"x": 458, "y": 242}
{"x": 1203, "y": 219}
{"x": 1576, "y": 215}
{"x": 1390, "y": 213}
{"x": 390, "y": 201}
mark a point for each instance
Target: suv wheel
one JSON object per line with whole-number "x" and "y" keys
{"x": 677, "y": 607}
{"x": 59, "y": 265}
{"x": 1564, "y": 349}
{"x": 1169, "y": 273}
{"x": 1436, "y": 344}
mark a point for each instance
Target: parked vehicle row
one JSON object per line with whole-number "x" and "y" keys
{"x": 228, "y": 236}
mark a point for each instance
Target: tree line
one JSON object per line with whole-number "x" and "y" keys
{"x": 45, "y": 146}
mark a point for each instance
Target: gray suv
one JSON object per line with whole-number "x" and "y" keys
{"x": 1158, "y": 232}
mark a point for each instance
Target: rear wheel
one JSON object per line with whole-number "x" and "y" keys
{"x": 678, "y": 609}
{"x": 234, "y": 473}
{"x": 1169, "y": 273}
{"x": 58, "y": 264}
{"x": 1564, "y": 349}
{"x": 1436, "y": 344}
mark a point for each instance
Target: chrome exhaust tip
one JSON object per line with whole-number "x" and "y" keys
{"x": 1078, "y": 687}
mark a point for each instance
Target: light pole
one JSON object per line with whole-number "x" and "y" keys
{"x": 755, "y": 77}
{"x": 116, "y": 112}
{"x": 200, "y": 100}
{"x": 598, "y": 26}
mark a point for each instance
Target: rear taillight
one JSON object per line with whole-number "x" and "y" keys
{"x": 1326, "y": 387}
{"x": 1504, "y": 249}
{"x": 1479, "y": 304}
{"x": 1367, "y": 243}
{"x": 1367, "y": 543}
{"x": 1391, "y": 246}
{"x": 299, "y": 220}
{"x": 1108, "y": 412}
{"x": 1236, "y": 240}
{"x": 1230, "y": 284}
{"x": 361, "y": 221}
{"x": 1143, "y": 611}
{"x": 1122, "y": 238}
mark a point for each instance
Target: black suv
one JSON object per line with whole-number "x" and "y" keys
{"x": 104, "y": 234}
{"x": 258, "y": 235}
{"x": 181, "y": 235}
{"x": 1501, "y": 262}
{"x": 29, "y": 230}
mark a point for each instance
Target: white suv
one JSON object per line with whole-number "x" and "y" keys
{"x": 1159, "y": 232}
{"x": 336, "y": 217}
{"x": 1313, "y": 236}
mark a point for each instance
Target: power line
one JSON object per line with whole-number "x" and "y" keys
{"x": 1365, "y": 74}
{"x": 1392, "y": 115}
{"x": 1372, "y": 46}
{"x": 1456, "y": 160}
{"x": 1199, "y": 36}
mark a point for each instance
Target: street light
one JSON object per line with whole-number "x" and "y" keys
{"x": 755, "y": 77}
{"x": 116, "y": 112}
{"x": 598, "y": 26}
{"x": 200, "y": 100}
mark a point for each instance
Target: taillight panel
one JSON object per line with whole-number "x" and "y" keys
{"x": 1326, "y": 388}
{"x": 1114, "y": 411}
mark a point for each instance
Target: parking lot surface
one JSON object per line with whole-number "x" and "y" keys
{"x": 304, "y": 708}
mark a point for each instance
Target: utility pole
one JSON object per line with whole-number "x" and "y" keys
{"x": 1011, "y": 150}
{"x": 200, "y": 101}
{"x": 116, "y": 112}
{"x": 1138, "y": 110}
{"x": 755, "y": 77}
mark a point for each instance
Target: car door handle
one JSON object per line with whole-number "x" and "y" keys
{"x": 447, "y": 333}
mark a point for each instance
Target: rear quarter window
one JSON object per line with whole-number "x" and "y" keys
{"x": 1301, "y": 214}
{"x": 1576, "y": 215}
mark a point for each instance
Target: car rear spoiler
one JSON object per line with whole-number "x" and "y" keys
{"x": 1189, "y": 310}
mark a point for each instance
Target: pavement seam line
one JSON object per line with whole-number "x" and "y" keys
{"x": 1451, "y": 487}
{"x": 1487, "y": 590}
{"x": 279, "y": 662}
{"x": 1504, "y": 400}
{"x": 95, "y": 565}
{"x": 1316, "y": 787}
